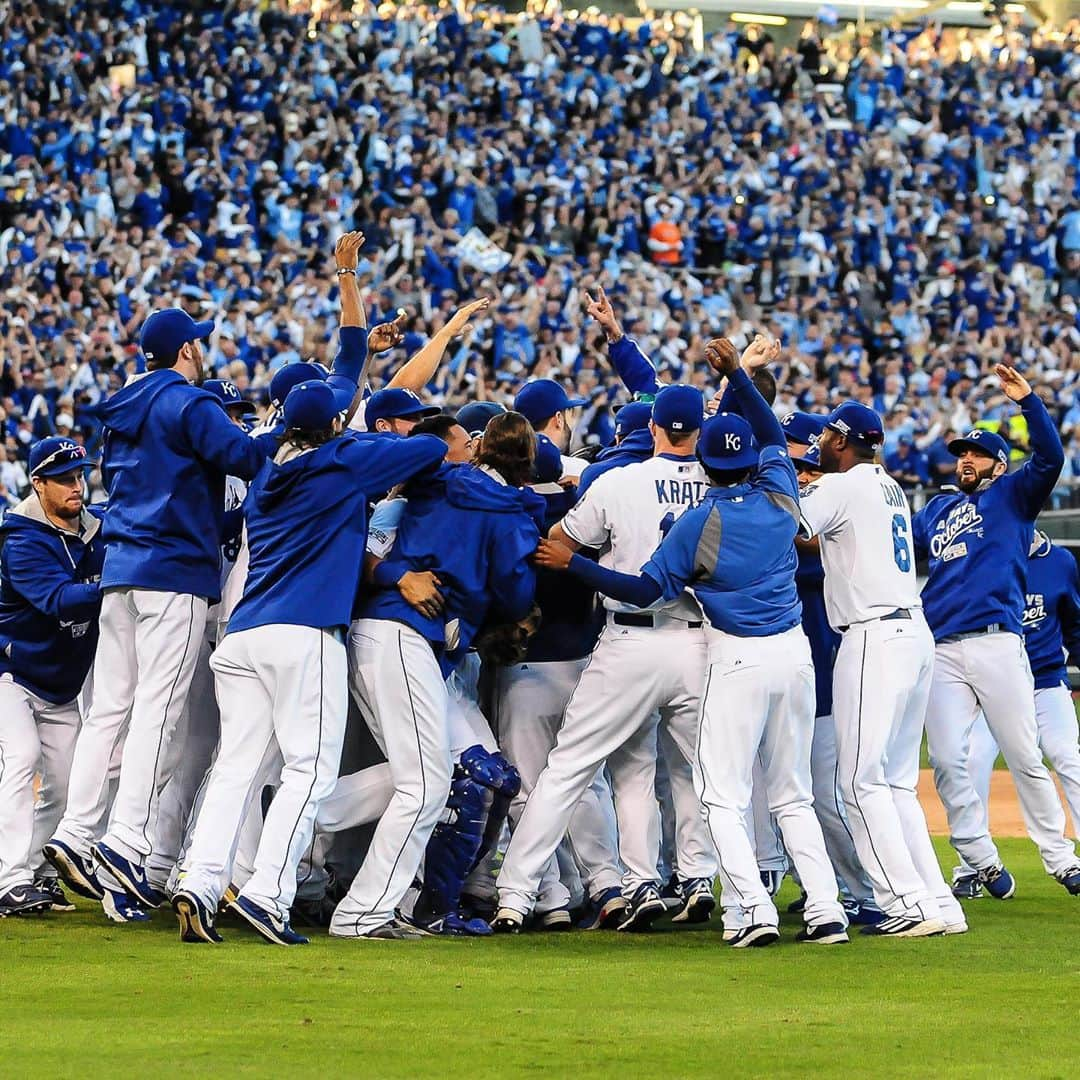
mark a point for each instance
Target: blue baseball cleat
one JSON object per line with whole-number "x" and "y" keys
{"x": 78, "y": 873}
{"x": 1070, "y": 878}
{"x": 998, "y": 882}
{"x": 605, "y": 912}
{"x": 863, "y": 914}
{"x": 967, "y": 887}
{"x": 646, "y": 906}
{"x": 130, "y": 875}
{"x": 266, "y": 922}
{"x": 24, "y": 900}
{"x": 119, "y": 907}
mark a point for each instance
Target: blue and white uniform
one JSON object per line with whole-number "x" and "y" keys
{"x": 280, "y": 673}
{"x": 1051, "y": 634}
{"x": 49, "y": 603}
{"x": 977, "y": 546}
{"x": 475, "y": 533}
{"x": 168, "y": 449}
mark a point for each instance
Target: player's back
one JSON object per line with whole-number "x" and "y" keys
{"x": 864, "y": 524}
{"x": 628, "y": 511}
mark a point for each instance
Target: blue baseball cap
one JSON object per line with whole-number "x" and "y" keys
{"x": 474, "y": 417}
{"x": 541, "y": 399}
{"x": 727, "y": 442}
{"x": 228, "y": 394}
{"x": 632, "y": 417}
{"x": 981, "y": 441}
{"x": 810, "y": 460}
{"x": 547, "y": 466}
{"x": 396, "y": 404}
{"x": 858, "y": 424}
{"x": 311, "y": 406}
{"x": 290, "y": 375}
{"x": 165, "y": 331}
{"x": 803, "y": 427}
{"x": 57, "y": 455}
{"x": 679, "y": 408}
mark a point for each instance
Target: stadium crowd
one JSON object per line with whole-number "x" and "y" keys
{"x": 898, "y": 210}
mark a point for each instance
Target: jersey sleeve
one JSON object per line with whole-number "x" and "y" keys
{"x": 1030, "y": 486}
{"x": 383, "y": 527}
{"x": 588, "y": 522}
{"x": 820, "y": 507}
{"x": 672, "y": 563}
{"x": 775, "y": 473}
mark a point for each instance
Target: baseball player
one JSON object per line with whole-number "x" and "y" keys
{"x": 544, "y": 403}
{"x": 472, "y": 527}
{"x": 51, "y": 554}
{"x": 168, "y": 448}
{"x": 802, "y": 431}
{"x": 280, "y": 674}
{"x": 881, "y": 677}
{"x": 977, "y": 540}
{"x": 736, "y": 551}
{"x": 530, "y": 699}
{"x": 633, "y": 442}
{"x": 1051, "y": 632}
{"x": 645, "y": 661}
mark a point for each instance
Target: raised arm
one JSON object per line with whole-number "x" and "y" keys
{"x": 631, "y": 365}
{"x": 1031, "y": 485}
{"x": 722, "y": 358}
{"x": 419, "y": 369}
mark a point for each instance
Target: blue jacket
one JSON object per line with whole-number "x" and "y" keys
{"x": 637, "y": 446}
{"x": 168, "y": 448}
{"x": 49, "y": 600}
{"x": 978, "y": 544}
{"x": 824, "y": 640}
{"x": 633, "y": 366}
{"x": 1051, "y": 613}
{"x": 476, "y": 534}
{"x": 570, "y": 617}
{"x": 306, "y": 515}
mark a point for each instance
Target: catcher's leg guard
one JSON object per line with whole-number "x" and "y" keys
{"x": 482, "y": 783}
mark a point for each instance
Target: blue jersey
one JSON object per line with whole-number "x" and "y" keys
{"x": 824, "y": 640}
{"x": 1051, "y": 614}
{"x": 306, "y": 515}
{"x": 736, "y": 550}
{"x": 977, "y": 545}
{"x": 49, "y": 600}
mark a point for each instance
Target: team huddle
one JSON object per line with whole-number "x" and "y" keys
{"x": 600, "y": 688}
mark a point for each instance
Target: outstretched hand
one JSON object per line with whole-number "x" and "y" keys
{"x": 600, "y": 309}
{"x": 1013, "y": 383}
{"x": 346, "y": 249}
{"x": 760, "y": 352}
{"x": 388, "y": 335}
{"x": 460, "y": 319}
{"x": 721, "y": 356}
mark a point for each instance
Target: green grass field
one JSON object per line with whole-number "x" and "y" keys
{"x": 82, "y": 997}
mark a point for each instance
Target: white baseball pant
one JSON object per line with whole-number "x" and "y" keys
{"x": 881, "y": 682}
{"x": 530, "y": 703}
{"x": 762, "y": 826}
{"x": 403, "y": 697}
{"x": 828, "y": 805}
{"x": 759, "y": 700}
{"x": 36, "y": 736}
{"x": 633, "y": 673}
{"x": 191, "y": 753}
{"x": 281, "y": 689}
{"x": 991, "y": 671}
{"x": 146, "y": 654}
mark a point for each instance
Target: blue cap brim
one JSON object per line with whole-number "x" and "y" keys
{"x": 745, "y": 459}
{"x": 58, "y": 469}
{"x": 957, "y": 446}
{"x": 202, "y": 330}
{"x": 575, "y": 402}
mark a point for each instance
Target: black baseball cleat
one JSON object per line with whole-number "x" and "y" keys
{"x": 1070, "y": 879}
{"x": 967, "y": 887}
{"x": 646, "y": 906}
{"x": 24, "y": 900}
{"x": 754, "y": 937}
{"x": 51, "y": 887}
{"x": 507, "y": 921}
{"x": 698, "y": 902}
{"x": 830, "y": 933}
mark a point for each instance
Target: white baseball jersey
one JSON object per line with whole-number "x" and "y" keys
{"x": 627, "y": 512}
{"x": 383, "y": 527}
{"x": 864, "y": 525}
{"x": 571, "y": 466}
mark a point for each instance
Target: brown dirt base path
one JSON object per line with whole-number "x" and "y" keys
{"x": 1005, "y": 817}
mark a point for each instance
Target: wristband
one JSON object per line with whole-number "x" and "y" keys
{"x": 343, "y": 270}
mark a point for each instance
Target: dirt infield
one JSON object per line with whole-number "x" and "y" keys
{"x": 1005, "y": 818}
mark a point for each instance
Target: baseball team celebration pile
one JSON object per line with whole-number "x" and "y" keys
{"x": 599, "y": 519}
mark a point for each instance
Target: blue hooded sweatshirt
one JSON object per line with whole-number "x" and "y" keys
{"x": 1051, "y": 613}
{"x": 476, "y": 533}
{"x": 978, "y": 544}
{"x": 49, "y": 600}
{"x": 168, "y": 448}
{"x": 306, "y": 515}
